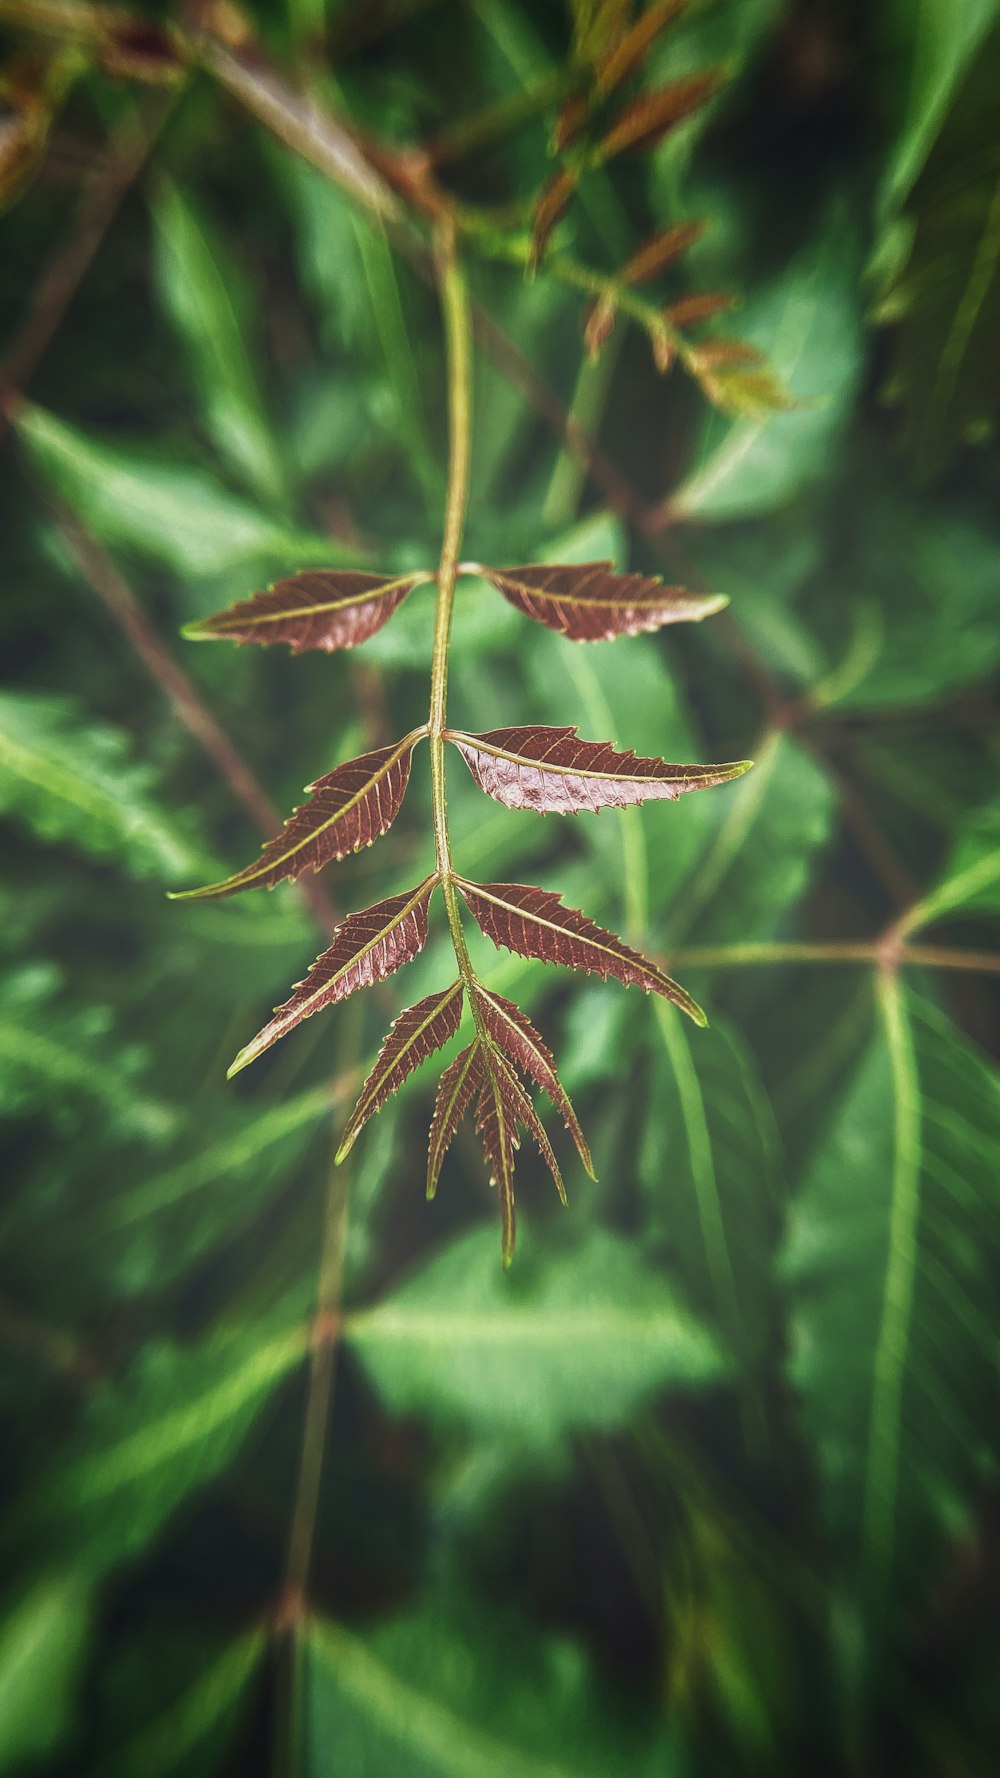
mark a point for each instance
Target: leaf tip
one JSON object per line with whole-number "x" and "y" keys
{"x": 243, "y": 1060}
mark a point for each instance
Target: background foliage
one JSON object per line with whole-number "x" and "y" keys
{"x": 708, "y": 1482}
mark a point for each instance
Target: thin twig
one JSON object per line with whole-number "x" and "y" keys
{"x": 104, "y": 188}
{"x": 873, "y": 952}
{"x": 50, "y": 1347}
{"x": 106, "y": 580}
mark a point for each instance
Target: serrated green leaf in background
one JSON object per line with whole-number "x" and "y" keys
{"x": 162, "y": 509}
{"x": 808, "y": 325}
{"x": 201, "y": 289}
{"x": 75, "y": 782}
{"x": 576, "y": 1346}
{"x": 446, "y": 1693}
{"x": 887, "y": 1262}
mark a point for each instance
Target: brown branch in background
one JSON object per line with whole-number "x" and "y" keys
{"x": 104, "y": 187}
{"x": 879, "y": 952}
{"x": 48, "y": 1346}
{"x": 117, "y": 597}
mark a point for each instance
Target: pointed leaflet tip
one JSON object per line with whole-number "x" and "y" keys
{"x": 413, "y": 1036}
{"x": 533, "y": 922}
{"x": 514, "y": 1034}
{"x": 456, "y": 1090}
{"x": 247, "y": 1055}
{"x": 589, "y": 602}
{"x": 316, "y": 608}
{"x": 348, "y": 809}
{"x": 366, "y": 948}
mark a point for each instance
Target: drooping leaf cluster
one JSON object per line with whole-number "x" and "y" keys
{"x": 549, "y": 770}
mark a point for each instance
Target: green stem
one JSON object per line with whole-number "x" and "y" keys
{"x": 458, "y": 341}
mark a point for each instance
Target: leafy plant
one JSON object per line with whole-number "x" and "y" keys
{"x": 296, "y": 1477}
{"x": 549, "y": 770}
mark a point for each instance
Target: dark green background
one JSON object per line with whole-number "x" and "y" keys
{"x": 707, "y": 1483}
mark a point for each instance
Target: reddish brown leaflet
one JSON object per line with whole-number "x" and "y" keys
{"x": 533, "y": 922}
{"x": 553, "y": 772}
{"x": 414, "y": 1036}
{"x": 349, "y": 808}
{"x": 588, "y": 602}
{"x": 648, "y": 119}
{"x": 513, "y": 1032}
{"x": 366, "y": 947}
{"x": 318, "y": 608}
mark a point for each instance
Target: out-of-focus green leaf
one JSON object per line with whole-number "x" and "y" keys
{"x": 200, "y": 288}
{"x": 43, "y": 1645}
{"x": 888, "y": 1263}
{"x": 73, "y": 781}
{"x": 711, "y": 1171}
{"x": 970, "y": 882}
{"x": 188, "y": 1736}
{"x": 927, "y": 583}
{"x": 450, "y": 1692}
{"x": 147, "y": 1443}
{"x": 59, "y": 1060}
{"x": 930, "y": 48}
{"x": 761, "y": 854}
{"x": 574, "y": 1342}
{"x": 945, "y": 299}
{"x": 173, "y": 514}
{"x": 807, "y": 324}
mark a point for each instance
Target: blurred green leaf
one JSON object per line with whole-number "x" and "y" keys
{"x": 761, "y": 853}
{"x": 970, "y": 882}
{"x": 173, "y": 514}
{"x": 574, "y": 1342}
{"x": 808, "y": 326}
{"x": 945, "y": 298}
{"x": 43, "y": 1648}
{"x": 188, "y": 1735}
{"x": 60, "y": 1059}
{"x": 931, "y": 46}
{"x": 888, "y": 1261}
{"x": 200, "y": 287}
{"x": 452, "y": 1692}
{"x": 711, "y": 1172}
{"x": 145, "y": 1444}
{"x": 73, "y": 781}
{"x": 928, "y": 584}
